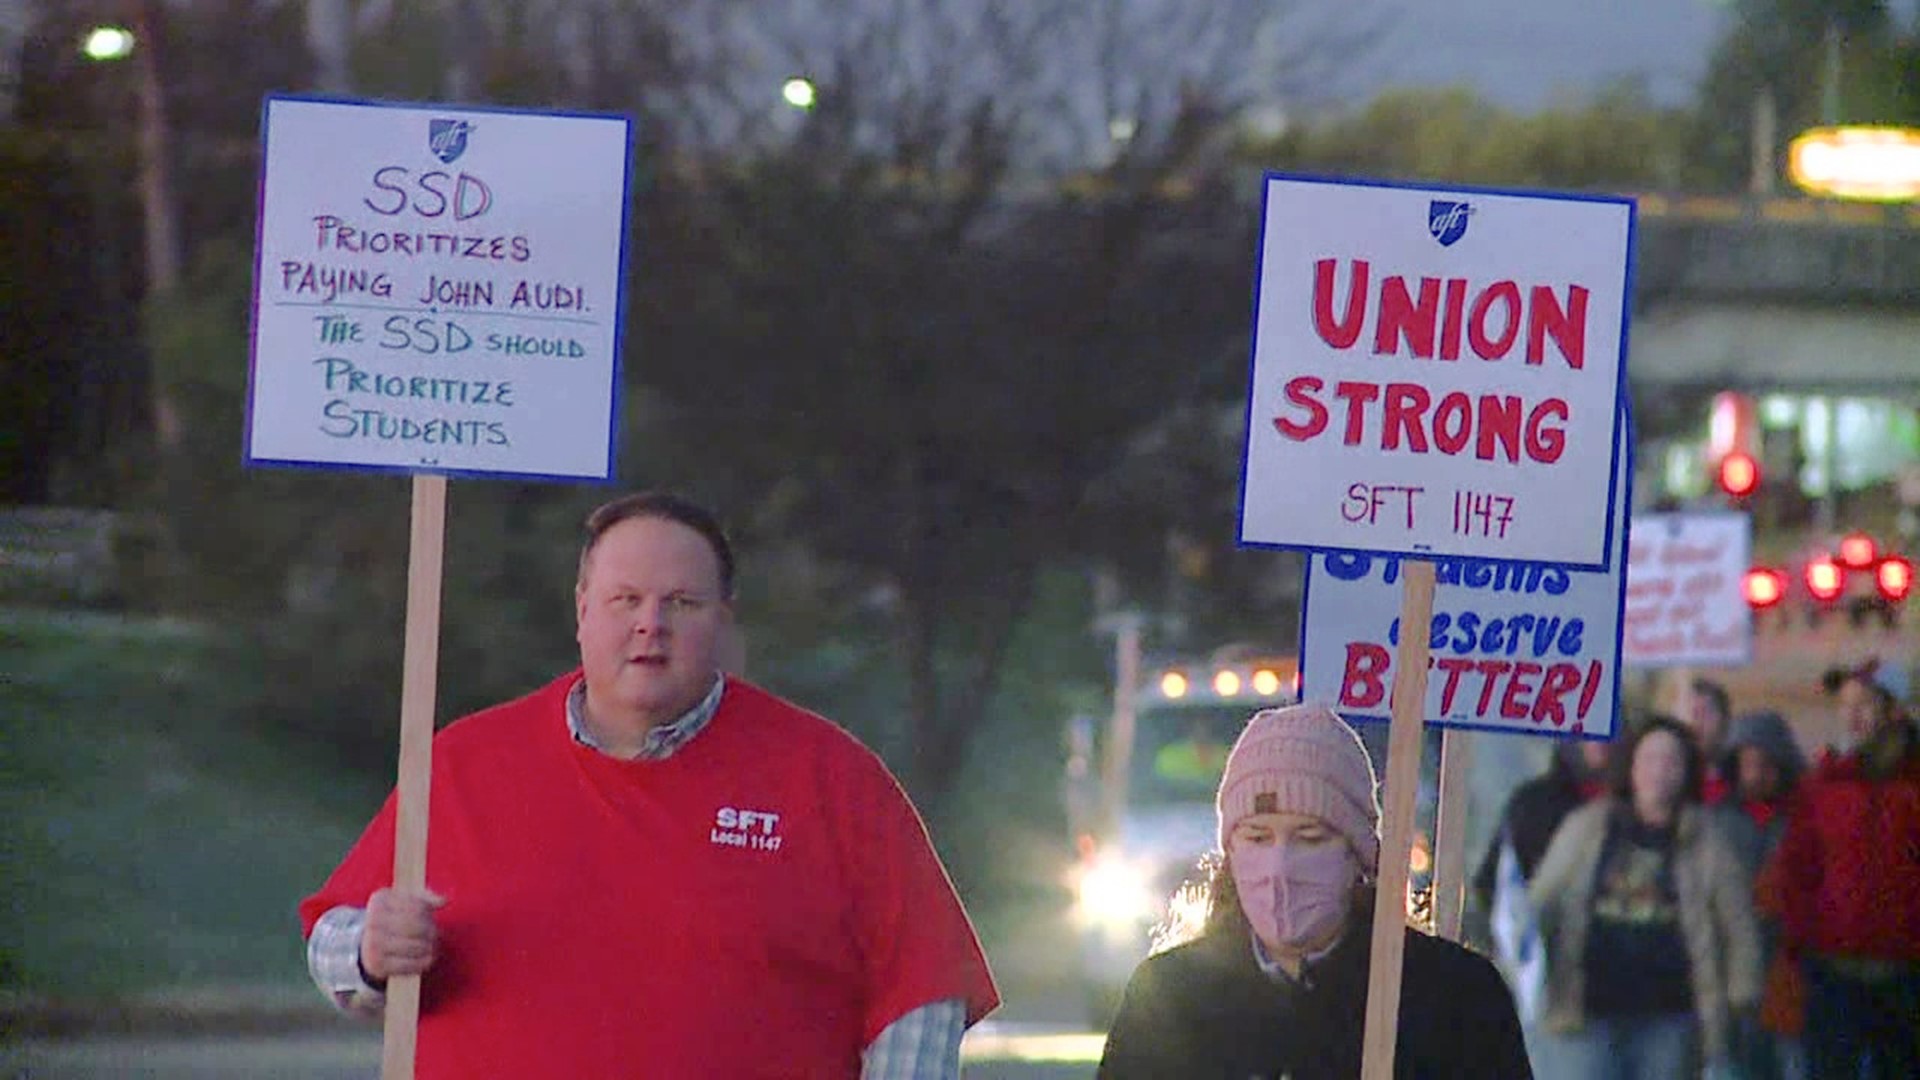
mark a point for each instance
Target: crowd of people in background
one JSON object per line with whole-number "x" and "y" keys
{"x": 1697, "y": 899}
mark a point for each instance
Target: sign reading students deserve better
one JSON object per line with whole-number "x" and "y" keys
{"x": 1516, "y": 647}
{"x": 438, "y": 289}
{"x": 1437, "y": 372}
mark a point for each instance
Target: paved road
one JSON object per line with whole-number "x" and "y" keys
{"x": 1038, "y": 1034}
{"x": 993, "y": 1053}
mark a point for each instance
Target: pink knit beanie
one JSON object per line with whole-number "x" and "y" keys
{"x": 1310, "y": 762}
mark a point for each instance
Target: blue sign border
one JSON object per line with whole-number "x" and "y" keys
{"x": 616, "y": 398}
{"x": 1620, "y": 384}
{"x": 1625, "y": 419}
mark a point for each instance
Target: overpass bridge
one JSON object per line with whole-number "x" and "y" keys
{"x": 1781, "y": 293}
{"x": 1730, "y": 292}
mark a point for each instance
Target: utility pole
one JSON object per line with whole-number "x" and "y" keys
{"x": 330, "y": 38}
{"x": 1828, "y": 511}
{"x": 1830, "y": 83}
{"x": 156, "y": 199}
{"x": 460, "y": 32}
{"x": 14, "y": 23}
{"x": 1125, "y": 627}
{"x": 1766, "y": 134}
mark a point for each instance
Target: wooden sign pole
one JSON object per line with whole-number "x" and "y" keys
{"x": 418, "y": 682}
{"x": 1450, "y": 843}
{"x": 1396, "y": 842}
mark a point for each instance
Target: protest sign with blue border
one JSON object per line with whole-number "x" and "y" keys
{"x": 1437, "y": 371}
{"x": 438, "y": 289}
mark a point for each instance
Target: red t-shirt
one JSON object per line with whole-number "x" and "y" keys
{"x": 763, "y": 902}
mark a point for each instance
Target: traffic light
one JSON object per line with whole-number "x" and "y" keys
{"x": 1739, "y": 474}
{"x": 1732, "y": 443}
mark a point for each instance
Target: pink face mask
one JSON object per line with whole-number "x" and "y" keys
{"x": 1295, "y": 894}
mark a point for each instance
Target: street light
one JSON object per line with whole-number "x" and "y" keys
{"x": 107, "y": 43}
{"x": 1861, "y": 162}
{"x": 799, "y": 93}
{"x": 1868, "y": 162}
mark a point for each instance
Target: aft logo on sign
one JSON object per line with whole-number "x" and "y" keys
{"x": 1447, "y": 220}
{"x": 448, "y": 138}
{"x": 755, "y": 829}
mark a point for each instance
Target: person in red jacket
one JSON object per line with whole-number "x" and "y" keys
{"x": 1848, "y": 889}
{"x": 650, "y": 868}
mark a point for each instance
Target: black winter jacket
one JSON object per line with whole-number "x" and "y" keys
{"x": 1205, "y": 1009}
{"x": 1532, "y": 815}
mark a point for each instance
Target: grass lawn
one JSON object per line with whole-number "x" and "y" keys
{"x": 154, "y": 842}
{"x": 149, "y": 841}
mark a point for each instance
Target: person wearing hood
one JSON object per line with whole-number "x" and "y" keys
{"x": 1765, "y": 764}
{"x": 1274, "y": 980}
{"x": 1846, "y": 881}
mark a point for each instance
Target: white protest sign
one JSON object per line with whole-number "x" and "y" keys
{"x": 1684, "y": 604}
{"x": 1437, "y": 372}
{"x": 438, "y": 289}
{"x": 1516, "y": 647}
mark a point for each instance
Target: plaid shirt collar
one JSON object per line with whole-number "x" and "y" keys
{"x": 661, "y": 742}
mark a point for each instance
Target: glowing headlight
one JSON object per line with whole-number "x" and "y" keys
{"x": 1115, "y": 892}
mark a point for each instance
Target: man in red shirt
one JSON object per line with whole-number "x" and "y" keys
{"x": 1848, "y": 874}
{"x": 649, "y": 868}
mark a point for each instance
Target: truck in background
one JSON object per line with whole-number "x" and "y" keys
{"x": 1140, "y": 790}
{"x": 1140, "y": 786}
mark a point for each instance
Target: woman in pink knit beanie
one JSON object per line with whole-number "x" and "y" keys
{"x": 1275, "y": 982}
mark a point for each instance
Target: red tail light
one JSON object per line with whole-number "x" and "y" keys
{"x": 1763, "y": 587}
{"x": 1858, "y": 551}
{"x": 1825, "y": 579}
{"x": 1895, "y": 578}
